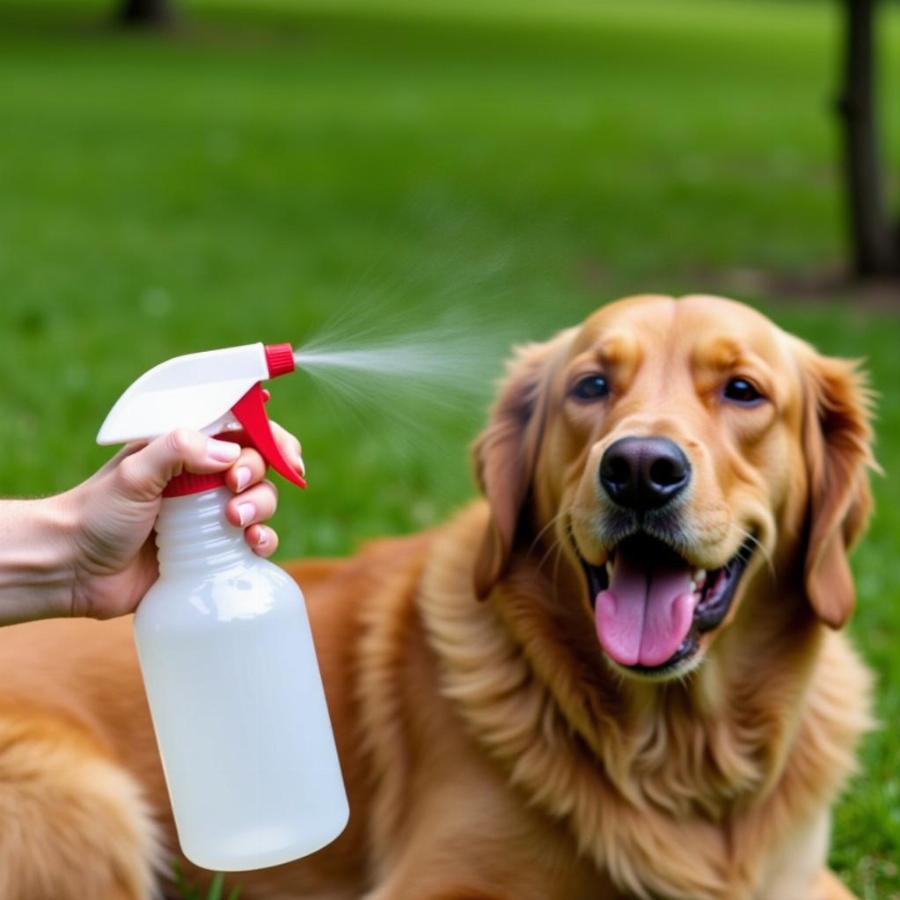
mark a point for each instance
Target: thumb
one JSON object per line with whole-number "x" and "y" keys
{"x": 144, "y": 474}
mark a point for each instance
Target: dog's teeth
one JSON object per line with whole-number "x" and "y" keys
{"x": 699, "y": 577}
{"x": 609, "y": 570}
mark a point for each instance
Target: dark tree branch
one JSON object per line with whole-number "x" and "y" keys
{"x": 146, "y": 13}
{"x": 875, "y": 247}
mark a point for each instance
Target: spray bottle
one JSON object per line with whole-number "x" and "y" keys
{"x": 223, "y": 638}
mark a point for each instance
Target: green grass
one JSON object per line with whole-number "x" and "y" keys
{"x": 188, "y": 890}
{"x": 277, "y": 161}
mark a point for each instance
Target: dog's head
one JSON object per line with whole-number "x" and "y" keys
{"x": 672, "y": 448}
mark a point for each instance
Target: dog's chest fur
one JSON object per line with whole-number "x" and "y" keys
{"x": 664, "y": 796}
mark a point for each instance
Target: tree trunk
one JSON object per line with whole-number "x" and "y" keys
{"x": 146, "y": 13}
{"x": 875, "y": 246}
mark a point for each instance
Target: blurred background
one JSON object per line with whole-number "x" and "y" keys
{"x": 201, "y": 173}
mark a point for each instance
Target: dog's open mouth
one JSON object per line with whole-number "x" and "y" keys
{"x": 651, "y": 605}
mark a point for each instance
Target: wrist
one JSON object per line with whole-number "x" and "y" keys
{"x": 36, "y": 559}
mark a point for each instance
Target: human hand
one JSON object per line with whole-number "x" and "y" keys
{"x": 111, "y": 515}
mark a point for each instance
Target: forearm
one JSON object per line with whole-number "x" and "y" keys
{"x": 36, "y": 571}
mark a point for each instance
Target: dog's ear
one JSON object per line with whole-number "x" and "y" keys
{"x": 837, "y": 446}
{"x": 504, "y": 457}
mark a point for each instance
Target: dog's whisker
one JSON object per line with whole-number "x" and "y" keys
{"x": 553, "y": 521}
{"x": 559, "y": 554}
{"x": 755, "y": 541}
{"x": 554, "y": 546}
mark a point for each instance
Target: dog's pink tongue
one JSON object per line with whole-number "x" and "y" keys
{"x": 646, "y": 612}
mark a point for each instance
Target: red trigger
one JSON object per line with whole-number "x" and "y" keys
{"x": 251, "y": 413}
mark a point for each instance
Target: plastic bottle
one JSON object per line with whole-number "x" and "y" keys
{"x": 223, "y": 639}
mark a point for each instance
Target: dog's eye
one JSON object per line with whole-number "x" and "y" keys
{"x": 740, "y": 390}
{"x": 591, "y": 387}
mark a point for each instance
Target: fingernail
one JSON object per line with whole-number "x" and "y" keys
{"x": 222, "y": 451}
{"x": 242, "y": 477}
{"x": 246, "y": 512}
{"x": 263, "y": 538}
{"x": 297, "y": 459}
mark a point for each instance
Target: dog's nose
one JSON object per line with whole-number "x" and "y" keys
{"x": 643, "y": 473}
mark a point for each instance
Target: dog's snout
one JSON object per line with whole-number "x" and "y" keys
{"x": 644, "y": 473}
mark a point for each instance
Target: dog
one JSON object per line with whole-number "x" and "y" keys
{"x": 618, "y": 674}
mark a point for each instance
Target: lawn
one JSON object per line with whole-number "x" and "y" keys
{"x": 506, "y": 165}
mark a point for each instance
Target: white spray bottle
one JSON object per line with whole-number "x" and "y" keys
{"x": 223, "y": 637}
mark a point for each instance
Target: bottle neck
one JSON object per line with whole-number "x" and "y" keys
{"x": 192, "y": 534}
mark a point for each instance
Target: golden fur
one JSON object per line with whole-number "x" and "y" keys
{"x": 490, "y": 750}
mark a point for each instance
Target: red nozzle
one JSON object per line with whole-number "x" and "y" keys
{"x": 279, "y": 359}
{"x": 251, "y": 413}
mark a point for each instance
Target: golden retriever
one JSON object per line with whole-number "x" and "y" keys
{"x": 618, "y": 675}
